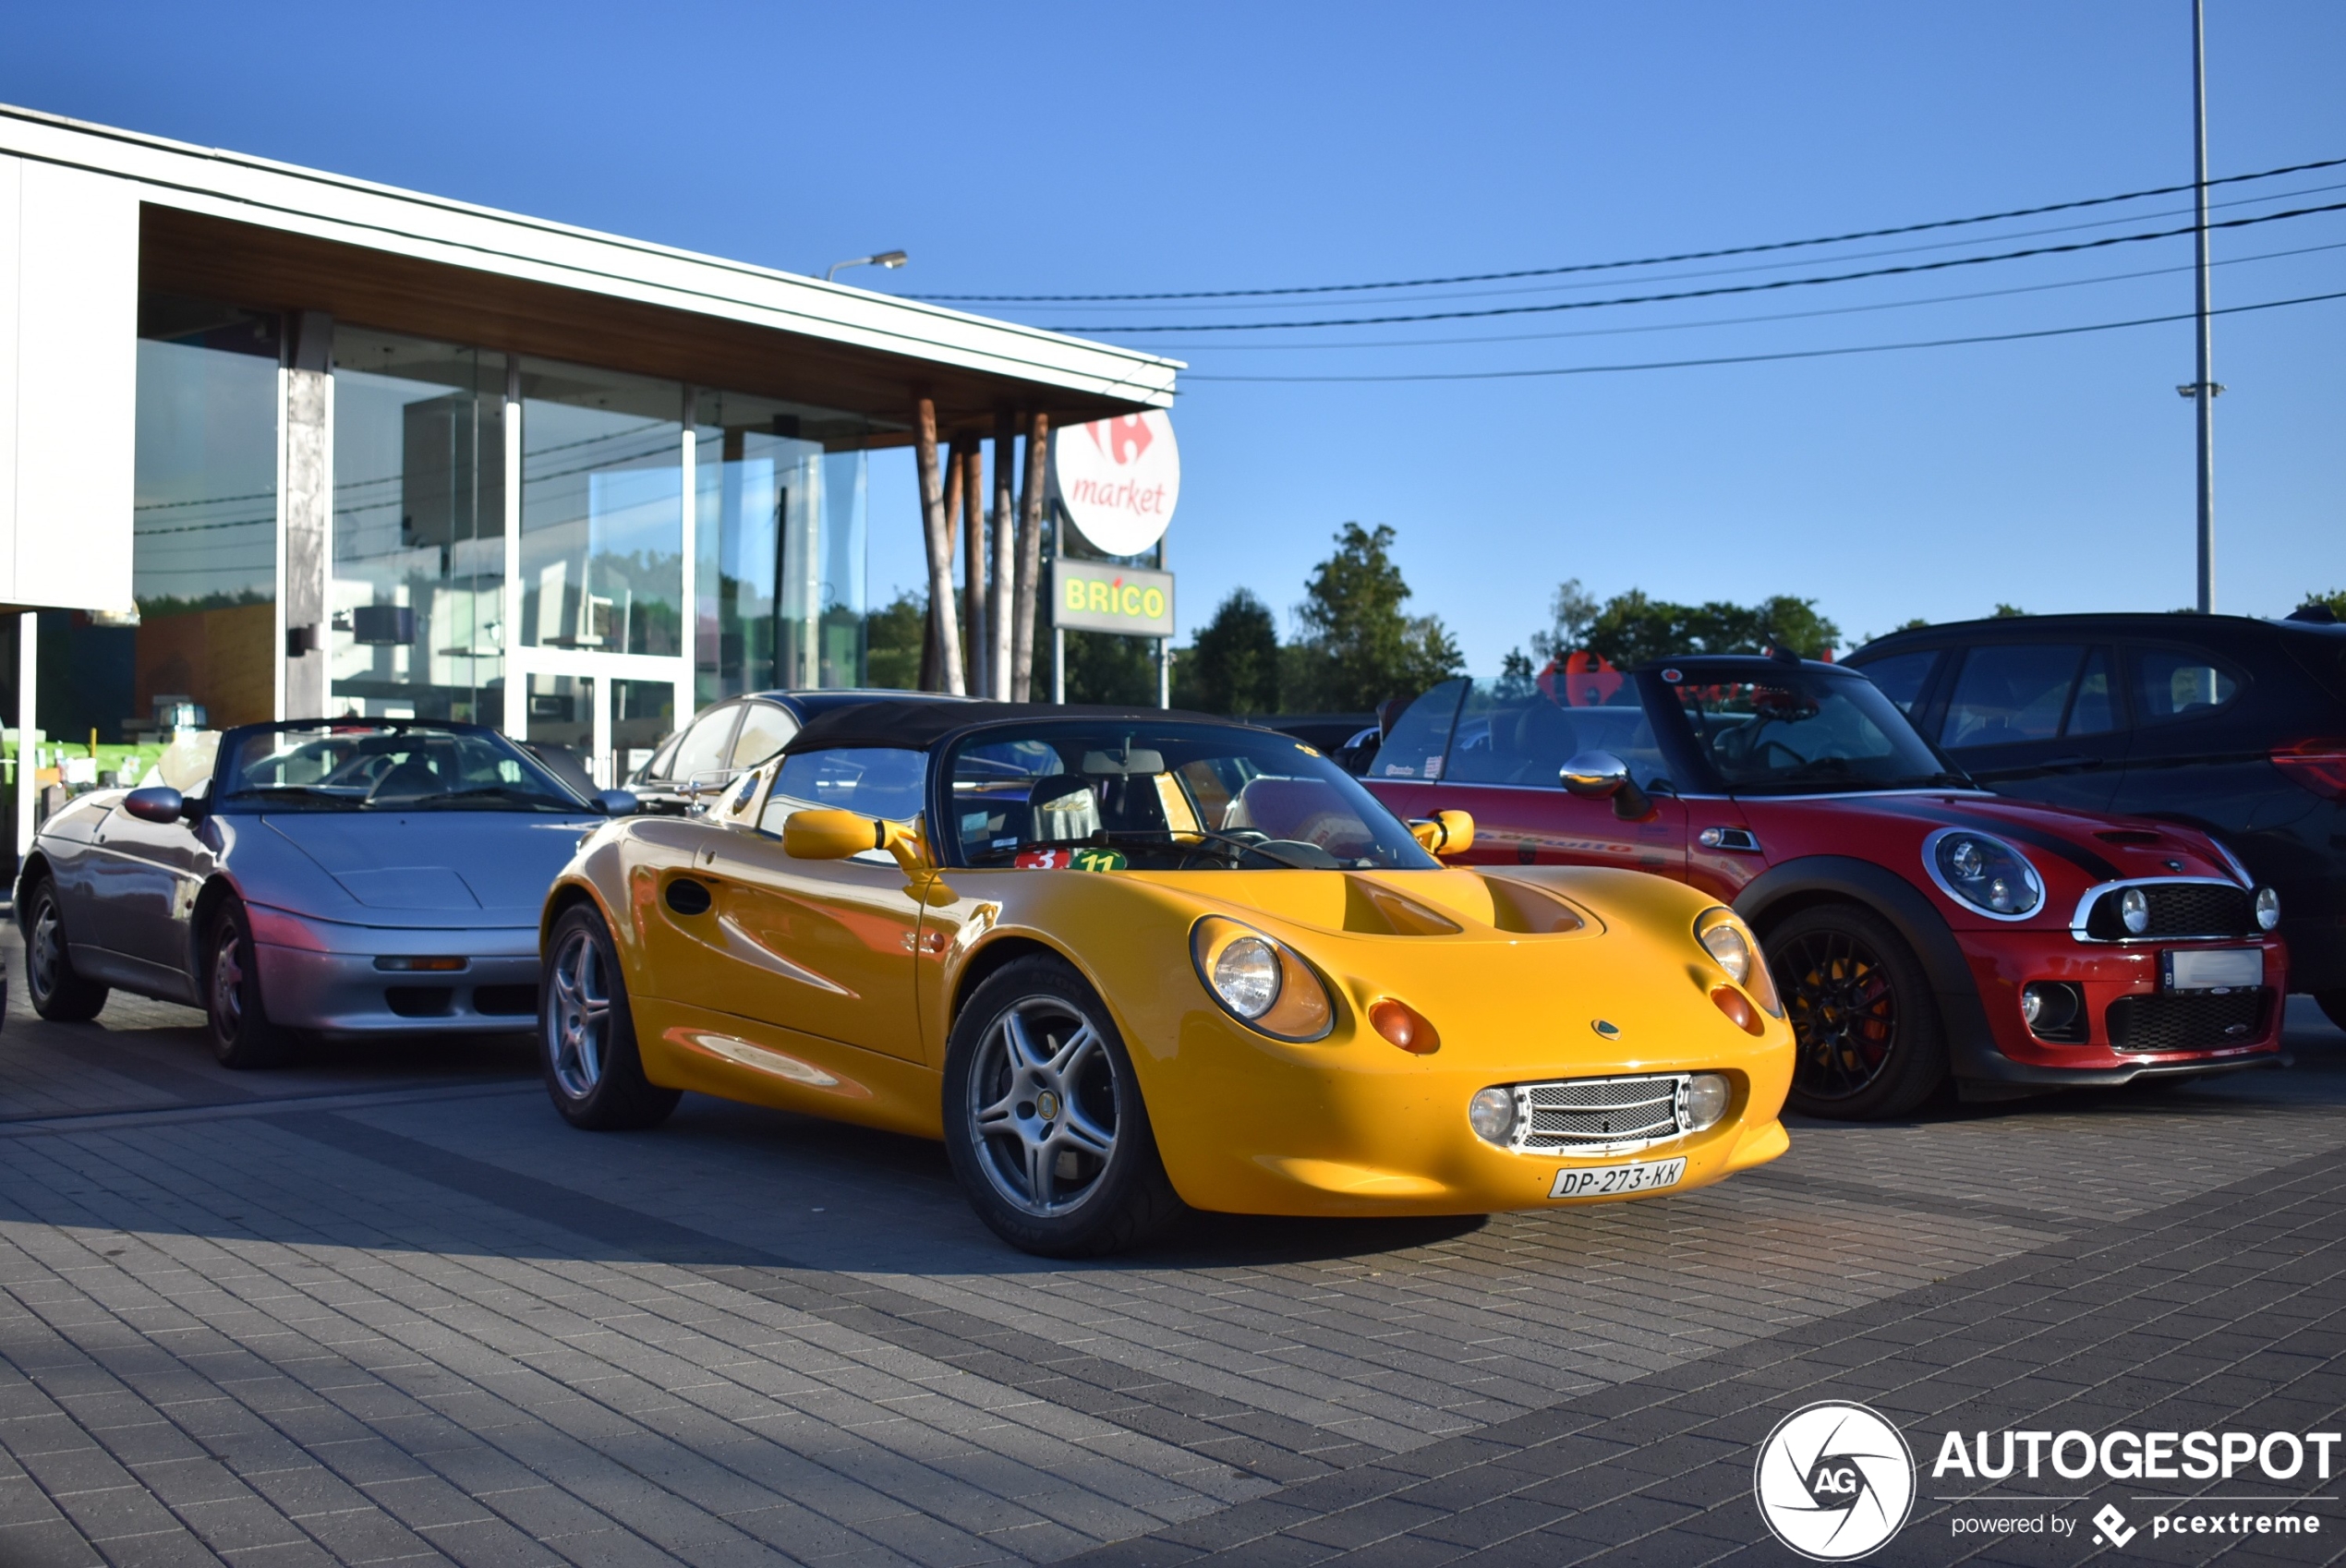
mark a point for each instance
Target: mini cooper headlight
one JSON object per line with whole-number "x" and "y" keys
{"x": 1987, "y": 874}
{"x": 2134, "y": 910}
{"x": 1707, "y": 1095}
{"x": 1491, "y": 1114}
{"x": 2268, "y": 909}
{"x": 1263, "y": 984}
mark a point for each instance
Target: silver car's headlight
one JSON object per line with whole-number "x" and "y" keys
{"x": 1984, "y": 872}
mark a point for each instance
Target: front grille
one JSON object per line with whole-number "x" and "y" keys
{"x": 505, "y": 1001}
{"x": 1596, "y": 1115}
{"x": 2197, "y": 1021}
{"x": 2177, "y": 908}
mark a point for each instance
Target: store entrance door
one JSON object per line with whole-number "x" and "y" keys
{"x": 603, "y": 722}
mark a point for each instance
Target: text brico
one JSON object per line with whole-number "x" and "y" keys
{"x": 1118, "y": 598}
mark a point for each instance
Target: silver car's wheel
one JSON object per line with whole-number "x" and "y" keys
{"x": 578, "y": 1021}
{"x": 59, "y": 994}
{"x": 227, "y": 988}
{"x": 1042, "y": 1107}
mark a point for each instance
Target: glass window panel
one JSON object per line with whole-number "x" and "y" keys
{"x": 602, "y": 545}
{"x": 1901, "y": 677}
{"x": 2091, "y": 713}
{"x": 641, "y": 713}
{"x": 780, "y": 511}
{"x": 1512, "y": 731}
{"x": 2011, "y": 694}
{"x": 2181, "y": 683}
{"x": 702, "y": 754}
{"x": 203, "y": 523}
{"x": 1421, "y": 735}
{"x": 765, "y": 731}
{"x": 419, "y": 525}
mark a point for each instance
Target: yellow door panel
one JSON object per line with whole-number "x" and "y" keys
{"x": 739, "y": 1058}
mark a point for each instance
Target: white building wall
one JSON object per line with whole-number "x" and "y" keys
{"x": 68, "y": 382}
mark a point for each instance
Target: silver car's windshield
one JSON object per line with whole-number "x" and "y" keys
{"x": 1162, "y": 797}
{"x": 352, "y": 765}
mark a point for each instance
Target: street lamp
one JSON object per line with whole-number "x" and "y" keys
{"x": 891, "y": 259}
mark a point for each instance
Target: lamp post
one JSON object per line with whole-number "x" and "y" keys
{"x": 2203, "y": 389}
{"x": 891, "y": 259}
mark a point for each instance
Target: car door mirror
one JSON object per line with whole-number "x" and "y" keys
{"x": 156, "y": 802}
{"x": 822, "y": 832}
{"x": 617, "y": 802}
{"x": 1444, "y": 833}
{"x": 1601, "y": 775}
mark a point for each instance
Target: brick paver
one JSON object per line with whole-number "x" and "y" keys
{"x": 384, "y": 1307}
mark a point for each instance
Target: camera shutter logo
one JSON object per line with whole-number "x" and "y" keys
{"x": 1834, "y": 1481}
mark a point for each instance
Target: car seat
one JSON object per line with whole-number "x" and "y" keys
{"x": 1306, "y": 810}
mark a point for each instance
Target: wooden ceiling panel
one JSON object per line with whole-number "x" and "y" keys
{"x": 198, "y": 255}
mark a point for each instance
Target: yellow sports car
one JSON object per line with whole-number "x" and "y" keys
{"x": 1125, "y": 963}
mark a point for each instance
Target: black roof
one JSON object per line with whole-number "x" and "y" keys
{"x": 914, "y": 725}
{"x": 806, "y": 704}
{"x": 2148, "y": 623}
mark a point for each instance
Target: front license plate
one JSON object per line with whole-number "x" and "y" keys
{"x": 1612, "y": 1181}
{"x": 2213, "y": 969}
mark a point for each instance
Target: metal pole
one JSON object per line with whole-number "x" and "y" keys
{"x": 2203, "y": 390}
{"x": 1164, "y": 648}
{"x": 28, "y": 728}
{"x": 1058, "y": 633}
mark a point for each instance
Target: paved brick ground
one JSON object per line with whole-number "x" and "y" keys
{"x": 386, "y": 1307}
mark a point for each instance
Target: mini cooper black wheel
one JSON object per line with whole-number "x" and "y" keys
{"x": 242, "y": 1035}
{"x": 586, "y": 1032}
{"x": 60, "y": 993}
{"x": 1044, "y": 1120}
{"x": 1862, "y": 1013}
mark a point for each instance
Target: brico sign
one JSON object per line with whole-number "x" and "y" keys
{"x": 1119, "y": 480}
{"x": 1097, "y": 596}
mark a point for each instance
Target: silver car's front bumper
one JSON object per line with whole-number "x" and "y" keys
{"x": 326, "y": 978}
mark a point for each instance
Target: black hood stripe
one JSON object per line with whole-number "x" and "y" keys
{"x": 2077, "y": 855}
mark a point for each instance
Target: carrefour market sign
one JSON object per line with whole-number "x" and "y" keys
{"x": 1090, "y": 596}
{"x": 1119, "y": 480}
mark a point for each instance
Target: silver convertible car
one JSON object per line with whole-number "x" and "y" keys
{"x": 346, "y": 877}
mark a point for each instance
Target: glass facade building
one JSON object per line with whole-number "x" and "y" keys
{"x": 510, "y": 537}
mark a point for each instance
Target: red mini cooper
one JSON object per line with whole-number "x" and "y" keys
{"x": 1916, "y": 927}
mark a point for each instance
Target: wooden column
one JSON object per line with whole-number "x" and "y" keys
{"x": 1030, "y": 559}
{"x": 1005, "y": 520}
{"x": 945, "y": 636}
{"x": 969, "y": 452}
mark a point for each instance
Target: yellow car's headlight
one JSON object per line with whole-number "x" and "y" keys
{"x": 1263, "y": 983}
{"x": 1732, "y": 947}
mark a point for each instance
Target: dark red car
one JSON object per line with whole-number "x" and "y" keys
{"x": 1918, "y": 927}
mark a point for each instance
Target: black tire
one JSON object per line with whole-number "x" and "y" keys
{"x": 60, "y": 993}
{"x": 2333, "y": 1005}
{"x": 1036, "y": 1047}
{"x": 1871, "y": 1045}
{"x": 236, "y": 1015}
{"x": 586, "y": 1032}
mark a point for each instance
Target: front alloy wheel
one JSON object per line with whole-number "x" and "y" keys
{"x": 1861, "y": 1012}
{"x": 586, "y": 1031}
{"x": 60, "y": 993}
{"x": 578, "y": 1021}
{"x": 1042, "y": 1107}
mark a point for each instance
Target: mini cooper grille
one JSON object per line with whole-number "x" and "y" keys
{"x": 2188, "y": 1022}
{"x": 1596, "y": 1115}
{"x": 2178, "y": 908}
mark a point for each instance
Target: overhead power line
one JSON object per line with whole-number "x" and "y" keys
{"x": 1941, "y": 265}
{"x": 1641, "y": 261}
{"x": 1788, "y": 354}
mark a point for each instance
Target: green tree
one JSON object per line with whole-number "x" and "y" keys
{"x": 1106, "y": 666}
{"x": 2008, "y": 612}
{"x": 2335, "y": 600}
{"x": 1573, "y": 611}
{"x": 1232, "y": 666}
{"x": 1631, "y": 629}
{"x": 892, "y": 641}
{"x": 1359, "y": 645}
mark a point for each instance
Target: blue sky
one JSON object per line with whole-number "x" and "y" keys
{"x": 1083, "y": 150}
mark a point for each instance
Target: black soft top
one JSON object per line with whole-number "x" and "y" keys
{"x": 910, "y": 724}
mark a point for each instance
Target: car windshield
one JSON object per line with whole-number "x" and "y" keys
{"x": 353, "y": 766}
{"x": 1805, "y": 731}
{"x": 1103, "y": 796}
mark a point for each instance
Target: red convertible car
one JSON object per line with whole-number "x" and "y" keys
{"x": 1918, "y": 927}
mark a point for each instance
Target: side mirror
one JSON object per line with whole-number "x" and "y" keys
{"x": 824, "y": 834}
{"x": 156, "y": 802}
{"x": 1601, "y": 775}
{"x": 1445, "y": 833}
{"x": 617, "y": 802}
